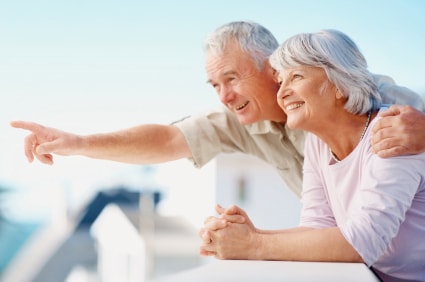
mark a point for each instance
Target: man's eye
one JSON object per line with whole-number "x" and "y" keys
{"x": 231, "y": 79}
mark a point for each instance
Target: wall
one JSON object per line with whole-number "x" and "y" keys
{"x": 256, "y": 187}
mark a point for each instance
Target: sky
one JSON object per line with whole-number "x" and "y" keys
{"x": 94, "y": 66}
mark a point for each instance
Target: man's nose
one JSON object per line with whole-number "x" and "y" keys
{"x": 226, "y": 94}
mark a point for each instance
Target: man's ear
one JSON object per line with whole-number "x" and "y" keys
{"x": 274, "y": 73}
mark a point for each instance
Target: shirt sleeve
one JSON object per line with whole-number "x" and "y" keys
{"x": 316, "y": 211}
{"x": 387, "y": 189}
{"x": 211, "y": 134}
{"x": 392, "y": 93}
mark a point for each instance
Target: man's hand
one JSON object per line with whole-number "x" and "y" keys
{"x": 229, "y": 236}
{"x": 400, "y": 131}
{"x": 43, "y": 141}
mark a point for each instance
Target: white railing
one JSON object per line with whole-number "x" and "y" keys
{"x": 121, "y": 250}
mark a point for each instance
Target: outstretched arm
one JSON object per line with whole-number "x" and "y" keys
{"x": 144, "y": 144}
{"x": 400, "y": 131}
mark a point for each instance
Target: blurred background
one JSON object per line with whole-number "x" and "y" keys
{"x": 96, "y": 66}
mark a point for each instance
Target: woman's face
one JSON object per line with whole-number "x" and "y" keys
{"x": 306, "y": 96}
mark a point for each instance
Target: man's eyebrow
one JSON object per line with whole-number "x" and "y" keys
{"x": 226, "y": 73}
{"x": 230, "y": 72}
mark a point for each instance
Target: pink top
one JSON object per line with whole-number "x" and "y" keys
{"x": 378, "y": 204}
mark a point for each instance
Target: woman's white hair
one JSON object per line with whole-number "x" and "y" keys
{"x": 341, "y": 59}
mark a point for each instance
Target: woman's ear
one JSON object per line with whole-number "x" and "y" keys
{"x": 338, "y": 94}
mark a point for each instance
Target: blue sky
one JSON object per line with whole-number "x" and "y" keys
{"x": 96, "y": 65}
{"x": 144, "y": 55}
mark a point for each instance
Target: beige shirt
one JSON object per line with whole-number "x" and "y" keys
{"x": 220, "y": 132}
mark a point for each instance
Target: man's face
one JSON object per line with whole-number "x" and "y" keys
{"x": 242, "y": 88}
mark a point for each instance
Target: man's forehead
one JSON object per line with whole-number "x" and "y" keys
{"x": 232, "y": 62}
{"x": 219, "y": 66}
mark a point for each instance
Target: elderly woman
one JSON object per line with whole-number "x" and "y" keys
{"x": 356, "y": 206}
{"x": 377, "y": 205}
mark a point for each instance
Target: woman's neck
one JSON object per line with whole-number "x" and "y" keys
{"x": 344, "y": 135}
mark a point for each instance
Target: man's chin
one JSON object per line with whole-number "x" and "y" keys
{"x": 246, "y": 121}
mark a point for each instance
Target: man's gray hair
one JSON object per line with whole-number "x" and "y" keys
{"x": 252, "y": 37}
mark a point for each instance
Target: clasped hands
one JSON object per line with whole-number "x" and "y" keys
{"x": 230, "y": 235}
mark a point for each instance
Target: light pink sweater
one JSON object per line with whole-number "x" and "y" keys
{"x": 378, "y": 204}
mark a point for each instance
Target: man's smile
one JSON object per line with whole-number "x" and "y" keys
{"x": 240, "y": 107}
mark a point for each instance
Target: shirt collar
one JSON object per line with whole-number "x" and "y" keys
{"x": 294, "y": 136}
{"x": 265, "y": 126}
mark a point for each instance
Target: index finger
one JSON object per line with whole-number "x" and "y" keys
{"x": 391, "y": 111}
{"x": 381, "y": 123}
{"x": 27, "y": 125}
{"x": 233, "y": 218}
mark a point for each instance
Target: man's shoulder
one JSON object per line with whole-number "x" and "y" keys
{"x": 392, "y": 93}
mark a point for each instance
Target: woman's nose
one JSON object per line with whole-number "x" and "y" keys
{"x": 282, "y": 92}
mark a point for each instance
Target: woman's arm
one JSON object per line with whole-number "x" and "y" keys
{"x": 243, "y": 241}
